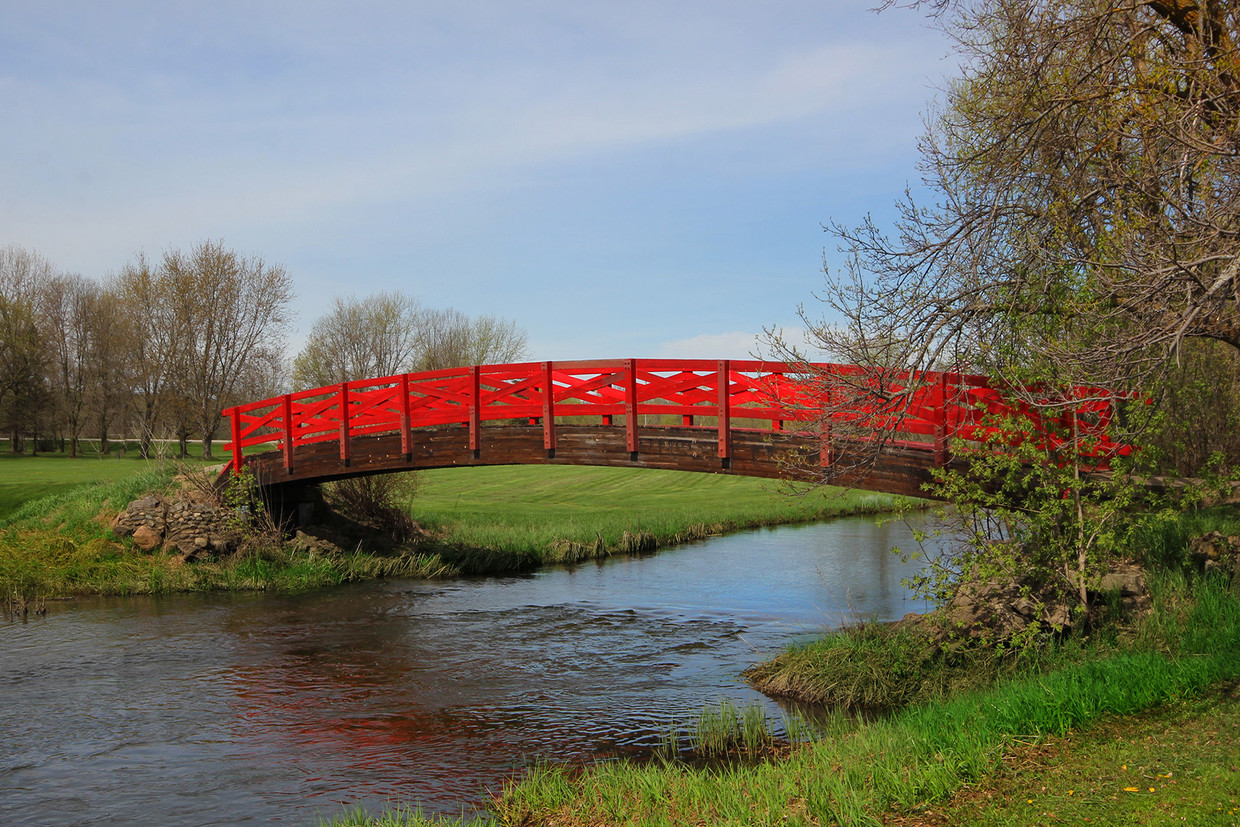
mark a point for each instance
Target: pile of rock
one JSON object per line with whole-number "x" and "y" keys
{"x": 1000, "y": 609}
{"x": 197, "y": 530}
{"x": 1217, "y": 552}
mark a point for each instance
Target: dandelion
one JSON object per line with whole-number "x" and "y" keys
{"x": 1132, "y": 789}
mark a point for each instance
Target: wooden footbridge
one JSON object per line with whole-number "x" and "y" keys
{"x": 751, "y": 418}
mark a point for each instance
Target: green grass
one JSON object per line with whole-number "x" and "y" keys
{"x": 24, "y": 478}
{"x": 549, "y": 513}
{"x": 1174, "y": 764}
{"x": 56, "y": 514}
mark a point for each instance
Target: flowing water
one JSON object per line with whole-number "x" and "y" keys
{"x": 228, "y": 708}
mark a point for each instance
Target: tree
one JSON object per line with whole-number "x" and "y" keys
{"x": 69, "y": 307}
{"x": 1083, "y": 229}
{"x": 23, "y": 344}
{"x": 111, "y": 378}
{"x": 154, "y": 338}
{"x": 385, "y": 334}
{"x": 360, "y": 339}
{"x": 1087, "y": 210}
{"x": 230, "y": 309}
{"x": 452, "y": 339}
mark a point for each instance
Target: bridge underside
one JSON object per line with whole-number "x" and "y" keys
{"x": 750, "y": 453}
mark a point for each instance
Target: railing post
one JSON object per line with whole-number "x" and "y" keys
{"x": 725, "y": 411}
{"x": 940, "y": 423}
{"x": 548, "y": 416}
{"x": 238, "y": 458}
{"x": 475, "y": 410}
{"x": 826, "y": 457}
{"x": 287, "y": 404}
{"x": 343, "y": 404}
{"x": 630, "y": 406}
{"x": 687, "y": 420}
{"x": 406, "y": 434}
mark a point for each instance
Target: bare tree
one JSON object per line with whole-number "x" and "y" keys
{"x": 449, "y": 338}
{"x": 229, "y": 308}
{"x": 385, "y": 334}
{"x": 359, "y": 339}
{"x": 69, "y": 305}
{"x": 154, "y": 339}
{"x": 23, "y": 343}
{"x": 110, "y": 376}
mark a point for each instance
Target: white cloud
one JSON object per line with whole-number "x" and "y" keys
{"x": 735, "y": 345}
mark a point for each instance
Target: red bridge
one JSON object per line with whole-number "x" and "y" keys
{"x": 740, "y": 417}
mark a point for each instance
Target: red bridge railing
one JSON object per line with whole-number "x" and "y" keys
{"x": 736, "y": 394}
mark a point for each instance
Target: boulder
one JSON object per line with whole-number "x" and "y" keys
{"x": 147, "y": 538}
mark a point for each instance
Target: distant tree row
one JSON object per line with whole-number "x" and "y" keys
{"x": 156, "y": 350}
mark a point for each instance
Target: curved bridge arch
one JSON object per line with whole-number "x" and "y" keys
{"x": 719, "y": 416}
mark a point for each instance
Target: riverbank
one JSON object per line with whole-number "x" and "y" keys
{"x": 474, "y": 521}
{"x": 934, "y": 757}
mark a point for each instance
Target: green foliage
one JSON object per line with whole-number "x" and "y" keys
{"x": 1198, "y": 423}
{"x": 1030, "y": 507}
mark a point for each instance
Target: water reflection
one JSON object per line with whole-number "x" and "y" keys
{"x": 227, "y": 708}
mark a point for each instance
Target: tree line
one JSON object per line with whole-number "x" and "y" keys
{"x": 159, "y": 348}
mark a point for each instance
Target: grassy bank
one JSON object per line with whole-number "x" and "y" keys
{"x": 562, "y": 514}
{"x": 55, "y": 514}
{"x": 1174, "y": 764}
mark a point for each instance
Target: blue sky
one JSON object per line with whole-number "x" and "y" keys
{"x": 635, "y": 179}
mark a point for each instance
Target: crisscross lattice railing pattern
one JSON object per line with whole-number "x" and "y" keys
{"x": 694, "y": 393}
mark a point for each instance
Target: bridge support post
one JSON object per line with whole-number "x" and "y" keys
{"x": 826, "y": 457}
{"x": 475, "y": 411}
{"x": 238, "y": 457}
{"x": 941, "y": 423}
{"x": 548, "y": 417}
{"x": 725, "y": 412}
{"x": 630, "y": 408}
{"x": 406, "y": 436}
{"x": 287, "y": 412}
{"x": 343, "y": 403}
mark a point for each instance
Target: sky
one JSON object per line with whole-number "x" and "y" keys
{"x": 620, "y": 179}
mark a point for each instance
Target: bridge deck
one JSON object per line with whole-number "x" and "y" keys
{"x": 900, "y": 470}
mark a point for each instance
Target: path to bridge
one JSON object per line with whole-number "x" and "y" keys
{"x": 740, "y": 417}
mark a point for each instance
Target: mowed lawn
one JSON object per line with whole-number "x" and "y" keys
{"x": 528, "y": 507}
{"x": 24, "y": 477}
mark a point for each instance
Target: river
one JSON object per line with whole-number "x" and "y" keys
{"x": 233, "y": 708}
